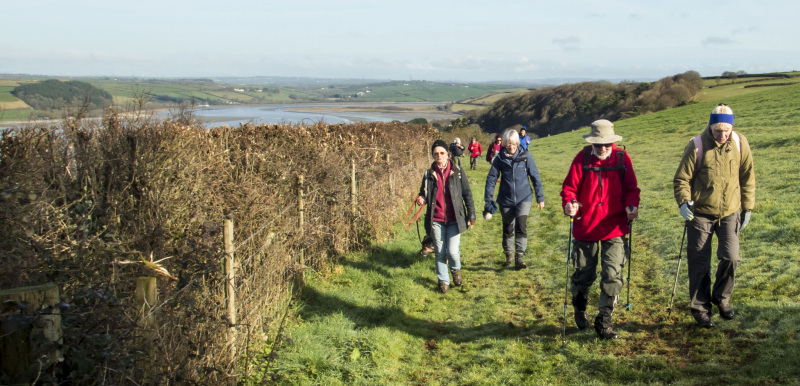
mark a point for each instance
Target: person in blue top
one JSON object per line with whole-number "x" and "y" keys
{"x": 516, "y": 170}
{"x": 524, "y": 138}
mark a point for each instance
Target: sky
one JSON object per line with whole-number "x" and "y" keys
{"x": 465, "y": 40}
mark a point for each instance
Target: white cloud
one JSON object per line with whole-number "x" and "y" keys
{"x": 715, "y": 40}
{"x": 569, "y": 43}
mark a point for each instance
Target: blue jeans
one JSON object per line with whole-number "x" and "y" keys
{"x": 446, "y": 240}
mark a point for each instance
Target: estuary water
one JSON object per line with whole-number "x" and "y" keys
{"x": 313, "y": 113}
{"x": 213, "y": 116}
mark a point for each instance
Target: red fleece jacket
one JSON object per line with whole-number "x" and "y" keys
{"x": 604, "y": 200}
{"x": 475, "y": 149}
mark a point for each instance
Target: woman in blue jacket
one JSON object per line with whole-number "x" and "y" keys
{"x": 515, "y": 166}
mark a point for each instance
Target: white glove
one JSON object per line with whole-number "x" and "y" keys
{"x": 745, "y": 219}
{"x": 686, "y": 213}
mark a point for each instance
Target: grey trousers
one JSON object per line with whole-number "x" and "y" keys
{"x": 612, "y": 257}
{"x": 515, "y": 227}
{"x": 698, "y": 256}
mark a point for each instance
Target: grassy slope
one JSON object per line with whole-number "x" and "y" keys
{"x": 378, "y": 319}
{"x": 421, "y": 91}
{"x": 481, "y": 102}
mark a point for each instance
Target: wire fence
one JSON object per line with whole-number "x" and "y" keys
{"x": 78, "y": 202}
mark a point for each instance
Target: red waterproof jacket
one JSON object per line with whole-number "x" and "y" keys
{"x": 604, "y": 195}
{"x": 475, "y": 149}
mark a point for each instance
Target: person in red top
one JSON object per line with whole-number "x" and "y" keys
{"x": 601, "y": 193}
{"x": 475, "y": 151}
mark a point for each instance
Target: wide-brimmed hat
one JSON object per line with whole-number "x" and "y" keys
{"x": 602, "y": 132}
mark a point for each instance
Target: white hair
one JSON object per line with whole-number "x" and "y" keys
{"x": 510, "y": 136}
{"x": 722, "y": 109}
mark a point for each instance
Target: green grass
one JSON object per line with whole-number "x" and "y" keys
{"x": 380, "y": 320}
{"x": 15, "y": 115}
{"x": 5, "y": 94}
{"x": 421, "y": 91}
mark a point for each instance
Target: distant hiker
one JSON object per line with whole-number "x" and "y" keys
{"x": 601, "y": 193}
{"x": 451, "y": 211}
{"x": 494, "y": 148}
{"x": 524, "y": 139}
{"x": 515, "y": 196}
{"x": 716, "y": 172}
{"x": 456, "y": 151}
{"x": 475, "y": 151}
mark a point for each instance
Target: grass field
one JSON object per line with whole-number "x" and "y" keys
{"x": 15, "y": 115}
{"x": 480, "y": 102}
{"x": 8, "y": 101}
{"x": 377, "y": 318}
{"x": 421, "y": 91}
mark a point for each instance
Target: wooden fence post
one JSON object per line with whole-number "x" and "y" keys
{"x": 30, "y": 339}
{"x": 429, "y": 156}
{"x": 353, "y": 191}
{"x": 301, "y": 206}
{"x": 230, "y": 288}
{"x": 145, "y": 299}
{"x": 391, "y": 176}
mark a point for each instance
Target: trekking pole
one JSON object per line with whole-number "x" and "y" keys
{"x": 678, "y": 269}
{"x": 566, "y": 281}
{"x": 630, "y": 262}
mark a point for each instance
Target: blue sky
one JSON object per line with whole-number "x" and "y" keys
{"x": 461, "y": 40}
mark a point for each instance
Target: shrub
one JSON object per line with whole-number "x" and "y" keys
{"x": 79, "y": 201}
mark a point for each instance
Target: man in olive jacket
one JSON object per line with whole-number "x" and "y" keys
{"x": 716, "y": 173}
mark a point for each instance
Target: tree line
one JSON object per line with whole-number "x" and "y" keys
{"x": 558, "y": 109}
{"x": 54, "y": 94}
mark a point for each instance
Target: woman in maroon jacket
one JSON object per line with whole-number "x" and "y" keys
{"x": 451, "y": 211}
{"x": 494, "y": 148}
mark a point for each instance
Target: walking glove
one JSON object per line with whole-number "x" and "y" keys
{"x": 745, "y": 220}
{"x": 686, "y": 213}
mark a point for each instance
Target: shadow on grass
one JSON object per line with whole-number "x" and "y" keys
{"x": 318, "y": 303}
{"x": 381, "y": 259}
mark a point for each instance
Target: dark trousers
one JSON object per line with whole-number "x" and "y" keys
{"x": 473, "y": 162}
{"x": 515, "y": 227}
{"x": 698, "y": 255}
{"x": 612, "y": 257}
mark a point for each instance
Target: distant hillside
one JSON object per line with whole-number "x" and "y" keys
{"x": 53, "y": 94}
{"x": 559, "y": 109}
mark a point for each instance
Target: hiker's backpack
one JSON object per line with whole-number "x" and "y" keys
{"x": 587, "y": 155}
{"x": 698, "y": 147}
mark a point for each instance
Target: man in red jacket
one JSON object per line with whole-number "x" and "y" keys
{"x": 602, "y": 194}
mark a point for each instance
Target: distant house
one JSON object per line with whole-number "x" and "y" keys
{"x": 238, "y": 89}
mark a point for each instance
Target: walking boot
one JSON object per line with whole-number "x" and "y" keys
{"x": 703, "y": 320}
{"x": 579, "y": 303}
{"x": 518, "y": 263}
{"x": 509, "y": 260}
{"x": 443, "y": 287}
{"x": 726, "y": 311}
{"x": 604, "y": 332}
{"x": 456, "y": 277}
